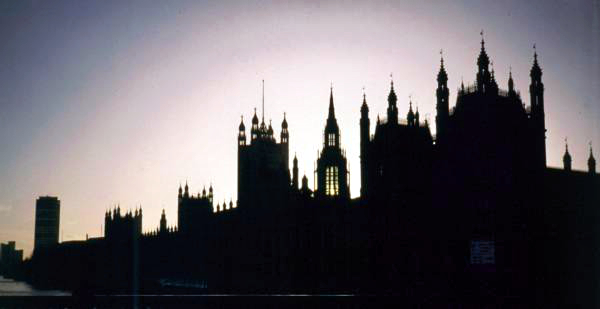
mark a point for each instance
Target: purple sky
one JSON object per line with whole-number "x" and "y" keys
{"x": 118, "y": 102}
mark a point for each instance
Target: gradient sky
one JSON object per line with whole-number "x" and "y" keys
{"x": 106, "y": 102}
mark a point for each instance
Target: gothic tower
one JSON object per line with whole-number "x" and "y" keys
{"x": 392, "y": 111}
{"x": 332, "y": 176}
{"x": 442, "y": 106}
{"x": 536, "y": 90}
{"x": 591, "y": 162}
{"x": 364, "y": 144}
{"x": 483, "y": 73}
{"x": 295, "y": 174}
{"x": 567, "y": 158}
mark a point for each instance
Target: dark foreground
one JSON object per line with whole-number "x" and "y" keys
{"x": 241, "y": 301}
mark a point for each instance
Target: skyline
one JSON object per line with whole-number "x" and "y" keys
{"x": 105, "y": 104}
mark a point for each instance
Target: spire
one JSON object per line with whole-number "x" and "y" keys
{"x": 410, "y": 117}
{"x": 242, "y": 127}
{"x": 331, "y": 109}
{"x": 536, "y": 71}
{"x": 255, "y": 118}
{"x": 180, "y": 191}
{"x": 511, "y": 85}
{"x": 417, "y": 115}
{"x": 284, "y": 124}
{"x": 392, "y": 110}
{"x": 186, "y": 192}
{"x": 392, "y": 96}
{"x": 270, "y": 130}
{"x": 332, "y": 131}
{"x": 567, "y": 157}
{"x": 364, "y": 108}
{"x": 483, "y": 60}
{"x": 442, "y": 77}
{"x": 591, "y": 161}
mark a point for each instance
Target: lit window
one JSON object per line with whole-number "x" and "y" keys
{"x": 331, "y": 139}
{"x": 331, "y": 181}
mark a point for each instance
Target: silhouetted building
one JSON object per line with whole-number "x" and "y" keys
{"x": 10, "y": 259}
{"x": 117, "y": 226}
{"x": 471, "y": 213}
{"x": 47, "y": 221}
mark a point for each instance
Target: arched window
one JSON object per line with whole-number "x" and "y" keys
{"x": 332, "y": 181}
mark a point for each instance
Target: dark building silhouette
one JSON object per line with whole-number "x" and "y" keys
{"x": 469, "y": 215}
{"x": 10, "y": 259}
{"x": 117, "y": 226}
{"x": 47, "y": 221}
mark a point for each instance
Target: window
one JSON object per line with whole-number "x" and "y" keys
{"x": 483, "y": 252}
{"x": 331, "y": 139}
{"x": 331, "y": 181}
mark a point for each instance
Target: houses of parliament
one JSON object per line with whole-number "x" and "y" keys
{"x": 472, "y": 212}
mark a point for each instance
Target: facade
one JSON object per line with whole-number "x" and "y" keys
{"x": 118, "y": 226}
{"x": 470, "y": 214}
{"x": 47, "y": 221}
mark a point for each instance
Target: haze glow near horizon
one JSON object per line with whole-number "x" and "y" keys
{"x": 106, "y": 103}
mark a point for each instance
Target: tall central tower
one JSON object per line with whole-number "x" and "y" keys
{"x": 332, "y": 172}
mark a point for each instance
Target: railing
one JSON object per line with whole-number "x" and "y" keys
{"x": 384, "y": 120}
{"x": 473, "y": 88}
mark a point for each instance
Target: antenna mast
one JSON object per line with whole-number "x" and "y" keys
{"x": 263, "y": 101}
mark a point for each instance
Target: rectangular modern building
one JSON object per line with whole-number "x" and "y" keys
{"x": 47, "y": 220}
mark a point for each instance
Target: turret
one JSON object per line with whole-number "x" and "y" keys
{"x": 186, "y": 193}
{"x": 591, "y": 162}
{"x": 305, "y": 189}
{"x": 295, "y": 173}
{"x": 254, "y": 129}
{"x": 242, "y": 133}
{"x": 332, "y": 131}
{"x": 483, "y": 74}
{"x": 163, "y": 222}
{"x": 270, "y": 130}
{"x": 365, "y": 127}
{"x": 410, "y": 116}
{"x": 511, "y": 84}
{"x": 442, "y": 107}
{"x": 210, "y": 194}
{"x": 392, "y": 110}
{"x": 567, "y": 157}
{"x": 285, "y": 135}
{"x": 180, "y": 194}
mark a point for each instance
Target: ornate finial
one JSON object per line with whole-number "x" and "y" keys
{"x": 283, "y": 115}
{"x": 482, "y": 41}
{"x": 590, "y": 148}
{"x": 510, "y": 71}
{"x": 442, "y": 57}
{"x": 566, "y": 145}
{"x": 392, "y": 80}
